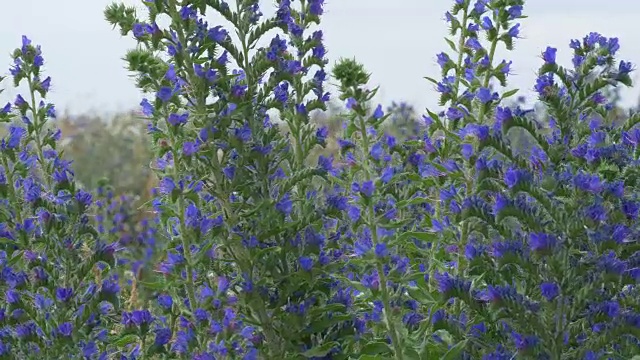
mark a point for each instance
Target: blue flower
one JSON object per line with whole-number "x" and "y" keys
{"x": 524, "y": 343}
{"x": 165, "y": 93}
{"x": 65, "y": 329}
{"x": 448, "y": 284}
{"x": 367, "y": 188}
{"x": 443, "y": 59}
{"x": 541, "y": 242}
{"x": 285, "y": 205}
{"x": 218, "y": 34}
{"x": 514, "y": 31}
{"x": 165, "y": 301}
{"x": 163, "y": 336}
{"x": 467, "y": 151}
{"x": 176, "y": 119}
{"x": 515, "y": 12}
{"x": 549, "y": 55}
{"x": 454, "y": 114}
{"x": 543, "y": 83}
{"x": 64, "y": 294}
{"x": 244, "y": 133}
{"x": 189, "y": 148}
{"x": 610, "y": 308}
{"x": 549, "y": 290}
{"x": 378, "y": 113}
{"x": 321, "y": 135}
{"x": 624, "y": 67}
{"x": 484, "y": 95}
{"x": 486, "y": 23}
{"x": 513, "y": 177}
{"x": 354, "y": 213}
{"x": 381, "y": 250}
{"x": 306, "y": 263}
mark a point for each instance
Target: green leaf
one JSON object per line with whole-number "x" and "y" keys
{"x": 510, "y": 93}
{"x": 412, "y": 354}
{"x": 376, "y": 348}
{"x": 413, "y": 201}
{"x": 320, "y": 351}
{"x": 160, "y": 285}
{"x": 431, "y": 80}
{"x": 326, "y": 322}
{"x": 423, "y": 236}
{"x": 451, "y": 44}
{"x": 455, "y": 351}
{"x": 125, "y": 340}
{"x": 421, "y": 296}
{"x": 340, "y": 308}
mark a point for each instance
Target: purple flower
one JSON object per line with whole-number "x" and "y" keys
{"x": 513, "y": 177}
{"x": 189, "y": 148}
{"x": 624, "y": 67}
{"x": 175, "y": 119}
{"x": 443, "y": 59}
{"x": 448, "y": 284}
{"x": 610, "y": 308}
{"x": 515, "y": 12}
{"x": 321, "y": 135}
{"x": 285, "y": 205}
{"x": 65, "y": 329}
{"x": 12, "y": 296}
{"x": 218, "y": 34}
{"x": 454, "y": 114}
{"x": 467, "y": 150}
{"x": 524, "y": 343}
{"x": 514, "y": 31}
{"x": 549, "y": 290}
{"x": 165, "y": 301}
{"x": 64, "y": 294}
{"x": 165, "y": 93}
{"x": 381, "y": 250}
{"x": 166, "y": 185}
{"x": 484, "y": 95}
{"x": 163, "y": 336}
{"x": 486, "y": 23}
{"x": 367, "y": 188}
{"x": 244, "y": 133}
{"x": 549, "y": 55}
{"x": 84, "y": 198}
{"x": 541, "y": 242}
{"x": 378, "y": 113}
{"x": 306, "y": 263}
{"x": 543, "y": 83}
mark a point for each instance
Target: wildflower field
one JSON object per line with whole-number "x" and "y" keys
{"x": 248, "y": 213}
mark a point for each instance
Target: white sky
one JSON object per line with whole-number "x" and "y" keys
{"x": 396, "y": 40}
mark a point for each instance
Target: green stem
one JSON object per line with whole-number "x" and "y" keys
{"x": 37, "y": 127}
{"x": 464, "y": 236}
{"x": 461, "y": 45}
{"x": 186, "y": 243}
{"x": 379, "y": 266}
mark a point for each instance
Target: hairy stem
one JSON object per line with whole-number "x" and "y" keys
{"x": 397, "y": 348}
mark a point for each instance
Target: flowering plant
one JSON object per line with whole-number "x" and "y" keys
{"x": 449, "y": 242}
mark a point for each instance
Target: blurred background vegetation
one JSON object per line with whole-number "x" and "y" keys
{"x": 116, "y": 149}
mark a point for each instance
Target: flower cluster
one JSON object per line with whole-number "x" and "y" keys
{"x": 484, "y": 231}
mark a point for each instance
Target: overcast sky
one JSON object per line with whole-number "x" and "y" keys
{"x": 396, "y": 40}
